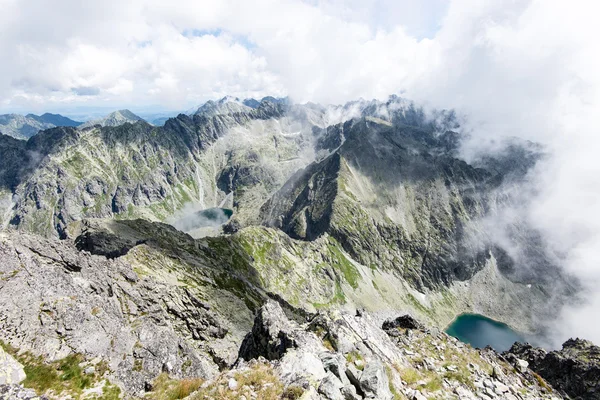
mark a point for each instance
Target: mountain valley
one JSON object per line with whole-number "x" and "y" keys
{"x": 337, "y": 221}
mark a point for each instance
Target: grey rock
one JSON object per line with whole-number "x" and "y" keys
{"x": 232, "y": 384}
{"x": 418, "y": 396}
{"x": 11, "y": 371}
{"x": 374, "y": 381}
{"x": 521, "y": 365}
{"x": 336, "y": 364}
{"x": 13, "y": 392}
{"x": 353, "y": 375}
{"x": 330, "y": 387}
{"x": 404, "y": 321}
{"x": 273, "y": 334}
{"x": 349, "y": 393}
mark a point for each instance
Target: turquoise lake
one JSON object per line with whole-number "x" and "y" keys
{"x": 480, "y": 331}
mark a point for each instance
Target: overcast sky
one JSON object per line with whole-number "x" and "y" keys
{"x": 514, "y": 67}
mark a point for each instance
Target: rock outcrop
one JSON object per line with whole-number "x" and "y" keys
{"x": 574, "y": 370}
{"x": 339, "y": 356}
{"x": 11, "y": 371}
{"x": 12, "y": 392}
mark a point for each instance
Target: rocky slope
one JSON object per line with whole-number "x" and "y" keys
{"x": 365, "y": 206}
{"x": 24, "y": 127}
{"x": 151, "y": 310}
{"x": 574, "y": 370}
{"x": 384, "y": 194}
{"x": 163, "y": 308}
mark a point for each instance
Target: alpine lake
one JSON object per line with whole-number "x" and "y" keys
{"x": 480, "y": 331}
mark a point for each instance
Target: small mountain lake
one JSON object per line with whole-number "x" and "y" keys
{"x": 480, "y": 331}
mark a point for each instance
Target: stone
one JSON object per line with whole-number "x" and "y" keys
{"x": 91, "y": 370}
{"x": 11, "y": 371}
{"x": 349, "y": 393}
{"x": 521, "y": 365}
{"x": 353, "y": 375}
{"x": 273, "y": 334}
{"x": 300, "y": 365}
{"x": 418, "y": 396}
{"x": 374, "y": 381}
{"x": 232, "y": 384}
{"x": 336, "y": 363}
{"x": 404, "y": 322}
{"x": 463, "y": 394}
{"x": 330, "y": 387}
{"x": 500, "y": 388}
{"x": 14, "y": 391}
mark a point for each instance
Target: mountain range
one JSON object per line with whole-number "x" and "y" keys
{"x": 333, "y": 222}
{"x": 24, "y": 127}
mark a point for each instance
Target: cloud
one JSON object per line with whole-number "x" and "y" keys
{"x": 86, "y": 91}
{"x": 181, "y": 54}
{"x": 527, "y": 68}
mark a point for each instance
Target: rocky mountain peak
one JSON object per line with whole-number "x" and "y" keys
{"x": 115, "y": 118}
{"x": 224, "y": 106}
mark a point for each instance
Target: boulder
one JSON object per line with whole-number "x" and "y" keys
{"x": 11, "y": 371}
{"x": 404, "y": 322}
{"x": 330, "y": 387}
{"x": 336, "y": 364}
{"x": 273, "y": 334}
{"x": 374, "y": 381}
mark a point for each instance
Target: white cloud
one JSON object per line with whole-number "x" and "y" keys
{"x": 527, "y": 68}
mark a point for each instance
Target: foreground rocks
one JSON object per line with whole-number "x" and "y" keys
{"x": 167, "y": 313}
{"x": 11, "y": 371}
{"x": 339, "y": 356}
{"x": 58, "y": 302}
{"x": 12, "y": 392}
{"x": 574, "y": 370}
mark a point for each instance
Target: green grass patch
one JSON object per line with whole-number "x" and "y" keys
{"x": 355, "y": 356}
{"x": 63, "y": 377}
{"x": 345, "y": 266}
{"x": 165, "y": 388}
